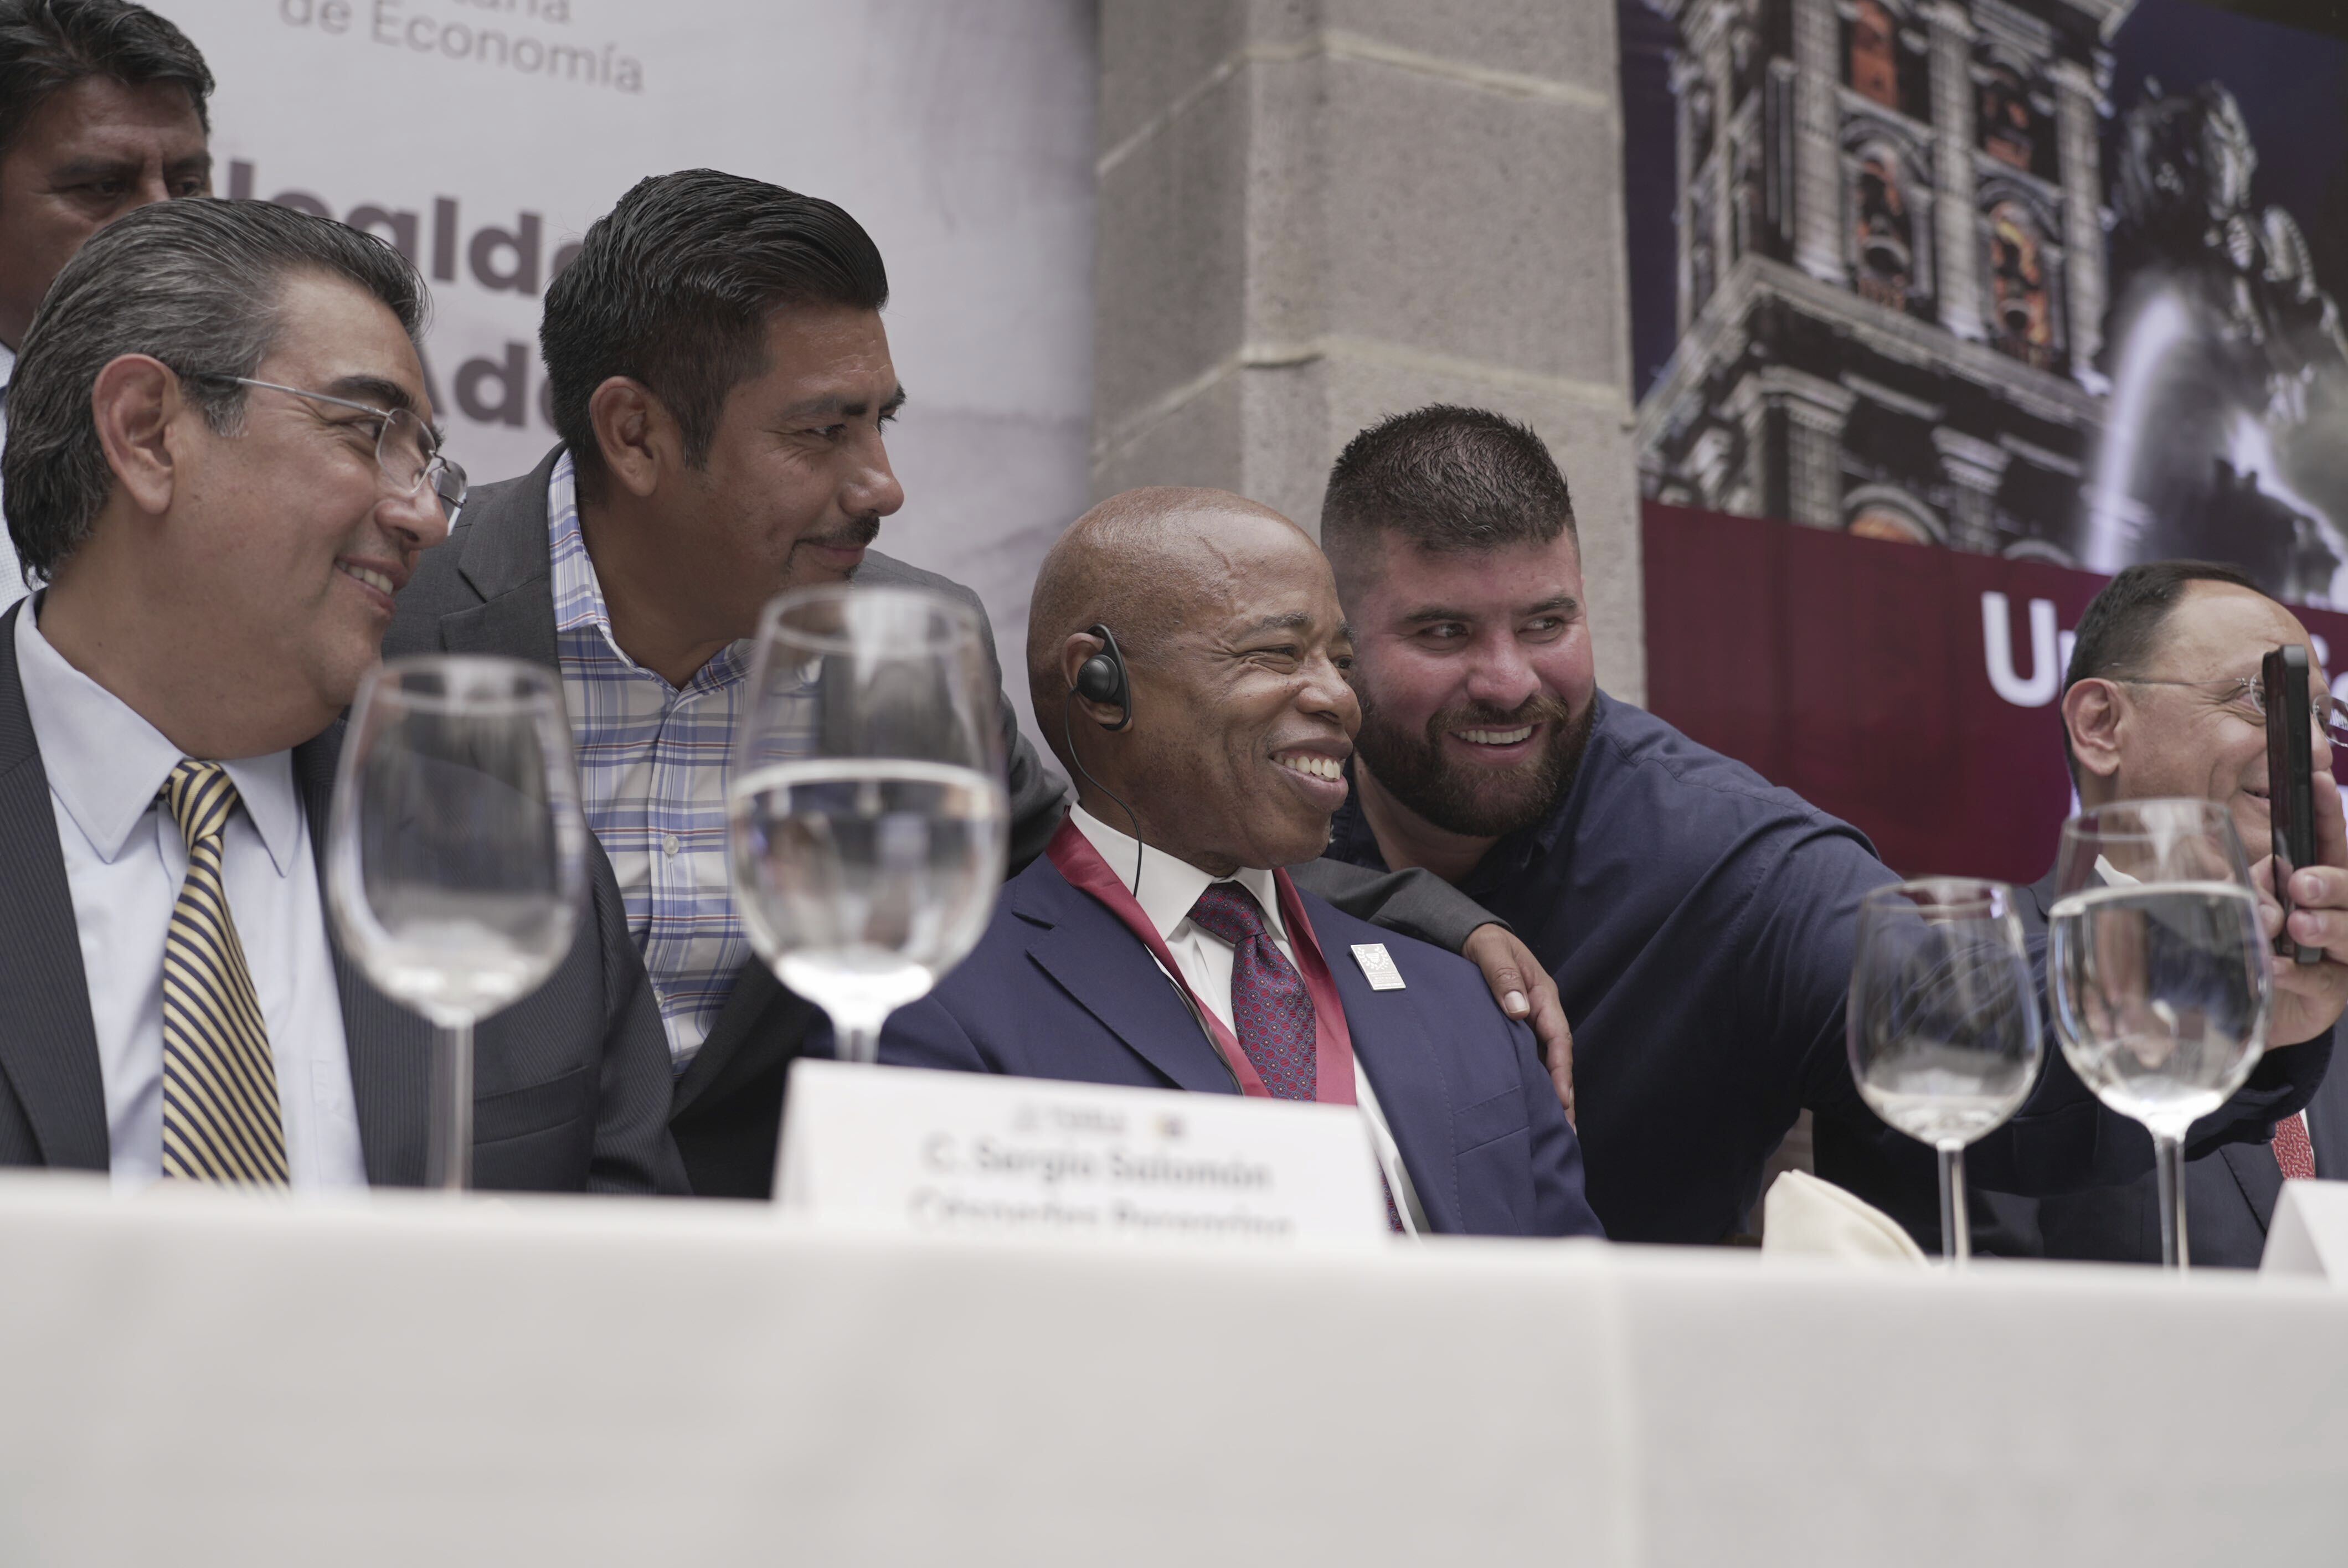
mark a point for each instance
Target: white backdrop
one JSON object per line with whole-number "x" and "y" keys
{"x": 483, "y": 136}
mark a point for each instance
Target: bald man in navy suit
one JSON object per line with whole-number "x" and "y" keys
{"x": 1187, "y": 651}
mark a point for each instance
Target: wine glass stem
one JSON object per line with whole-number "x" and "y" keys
{"x": 860, "y": 1041}
{"x": 2169, "y": 1154}
{"x": 1956, "y": 1230}
{"x": 448, "y": 1145}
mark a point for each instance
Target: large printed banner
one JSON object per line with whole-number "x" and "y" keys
{"x": 1975, "y": 302}
{"x": 481, "y": 137}
{"x": 1912, "y": 693}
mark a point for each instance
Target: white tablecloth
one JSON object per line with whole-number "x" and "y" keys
{"x": 195, "y": 1379}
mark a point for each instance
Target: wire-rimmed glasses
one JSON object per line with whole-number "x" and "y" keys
{"x": 406, "y": 448}
{"x": 2248, "y": 694}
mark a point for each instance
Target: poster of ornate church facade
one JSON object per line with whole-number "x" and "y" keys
{"x": 2051, "y": 279}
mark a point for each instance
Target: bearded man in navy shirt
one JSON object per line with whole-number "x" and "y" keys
{"x": 1699, "y": 921}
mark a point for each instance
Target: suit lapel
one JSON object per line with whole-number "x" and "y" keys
{"x": 389, "y": 1048}
{"x": 1093, "y": 957}
{"x": 1413, "y": 1096}
{"x": 507, "y": 559}
{"x": 48, "y": 1047}
{"x": 759, "y": 1014}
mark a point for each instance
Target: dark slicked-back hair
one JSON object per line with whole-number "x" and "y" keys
{"x": 1446, "y": 479}
{"x": 2119, "y": 635}
{"x": 47, "y": 45}
{"x": 195, "y": 284}
{"x": 673, "y": 288}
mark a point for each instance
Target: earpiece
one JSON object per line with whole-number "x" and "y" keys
{"x": 1101, "y": 679}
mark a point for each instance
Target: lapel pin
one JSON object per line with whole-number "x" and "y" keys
{"x": 1378, "y": 966}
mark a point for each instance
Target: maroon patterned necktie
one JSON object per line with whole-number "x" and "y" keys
{"x": 1271, "y": 1010}
{"x": 2293, "y": 1150}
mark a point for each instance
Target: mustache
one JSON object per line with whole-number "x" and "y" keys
{"x": 858, "y": 533}
{"x": 1540, "y": 708}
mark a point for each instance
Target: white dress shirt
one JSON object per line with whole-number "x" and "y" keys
{"x": 1169, "y": 888}
{"x": 12, "y": 577}
{"x": 124, "y": 860}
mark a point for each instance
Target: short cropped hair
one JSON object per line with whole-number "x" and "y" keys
{"x": 195, "y": 284}
{"x": 1447, "y": 480}
{"x": 2118, "y": 633}
{"x": 673, "y": 287}
{"x": 48, "y": 45}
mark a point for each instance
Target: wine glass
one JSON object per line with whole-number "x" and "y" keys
{"x": 868, "y": 817}
{"x": 456, "y": 857}
{"x": 2156, "y": 971}
{"x": 1942, "y": 1026}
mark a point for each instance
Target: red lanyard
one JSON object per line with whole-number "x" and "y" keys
{"x": 1332, "y": 1078}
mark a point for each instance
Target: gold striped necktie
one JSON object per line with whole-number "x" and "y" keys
{"x": 220, "y": 1120}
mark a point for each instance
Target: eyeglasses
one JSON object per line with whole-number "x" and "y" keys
{"x": 2248, "y": 693}
{"x": 405, "y": 446}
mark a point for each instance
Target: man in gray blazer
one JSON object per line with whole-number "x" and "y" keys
{"x": 721, "y": 380}
{"x": 221, "y": 468}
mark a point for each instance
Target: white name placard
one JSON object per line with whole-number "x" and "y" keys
{"x": 2310, "y": 1232}
{"x": 903, "y": 1150}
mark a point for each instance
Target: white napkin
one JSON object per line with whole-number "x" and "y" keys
{"x": 1802, "y": 1216}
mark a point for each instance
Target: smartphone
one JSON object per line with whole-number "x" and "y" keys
{"x": 2290, "y": 779}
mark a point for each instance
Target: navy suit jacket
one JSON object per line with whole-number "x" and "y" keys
{"x": 1058, "y": 988}
{"x": 2231, "y": 1192}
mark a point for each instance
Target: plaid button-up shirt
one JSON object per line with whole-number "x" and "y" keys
{"x": 653, "y": 766}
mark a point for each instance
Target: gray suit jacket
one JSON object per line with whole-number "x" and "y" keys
{"x": 2229, "y": 1193}
{"x": 490, "y": 590}
{"x": 571, "y": 1084}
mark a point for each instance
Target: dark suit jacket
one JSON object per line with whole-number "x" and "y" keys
{"x": 1059, "y": 989}
{"x": 490, "y": 590}
{"x": 571, "y": 1083}
{"x": 2229, "y": 1193}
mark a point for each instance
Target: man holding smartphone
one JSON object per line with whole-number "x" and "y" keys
{"x": 2165, "y": 698}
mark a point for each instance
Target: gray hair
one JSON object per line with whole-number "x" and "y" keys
{"x": 195, "y": 283}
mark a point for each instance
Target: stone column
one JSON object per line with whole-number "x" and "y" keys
{"x": 1956, "y": 230}
{"x": 1818, "y": 158}
{"x": 1975, "y": 469}
{"x": 1815, "y": 410}
{"x": 1316, "y": 213}
{"x": 2078, "y": 107}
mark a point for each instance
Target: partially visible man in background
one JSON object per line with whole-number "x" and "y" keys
{"x": 1699, "y": 921}
{"x": 2163, "y": 699}
{"x": 101, "y": 112}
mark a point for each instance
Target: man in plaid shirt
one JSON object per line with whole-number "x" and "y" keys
{"x": 721, "y": 380}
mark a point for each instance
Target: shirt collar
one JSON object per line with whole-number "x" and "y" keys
{"x": 106, "y": 764}
{"x": 1169, "y": 886}
{"x": 8, "y": 366}
{"x": 579, "y": 593}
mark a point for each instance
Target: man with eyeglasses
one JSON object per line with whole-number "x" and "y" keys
{"x": 101, "y": 113}
{"x": 2163, "y": 699}
{"x": 221, "y": 471}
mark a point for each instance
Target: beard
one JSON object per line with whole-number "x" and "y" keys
{"x": 1461, "y": 798}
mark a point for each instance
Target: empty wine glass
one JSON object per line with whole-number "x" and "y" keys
{"x": 456, "y": 857}
{"x": 868, "y": 819}
{"x": 2157, "y": 972}
{"x": 1942, "y": 1026}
